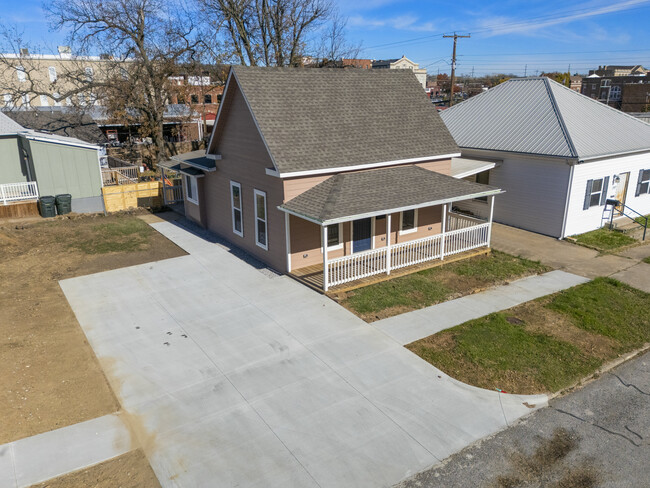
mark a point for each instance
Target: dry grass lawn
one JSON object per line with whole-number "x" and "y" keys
{"x": 50, "y": 375}
{"x": 131, "y": 470}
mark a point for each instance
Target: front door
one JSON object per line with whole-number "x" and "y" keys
{"x": 361, "y": 235}
{"x": 621, "y": 190}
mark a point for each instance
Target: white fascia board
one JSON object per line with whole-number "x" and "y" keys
{"x": 216, "y": 157}
{"x": 341, "y": 169}
{"x": 613, "y": 155}
{"x": 272, "y": 172}
{"x": 349, "y": 218}
{"x": 304, "y": 217}
{"x": 412, "y": 207}
{"x": 250, "y": 110}
{"x": 58, "y": 141}
{"x": 216, "y": 119}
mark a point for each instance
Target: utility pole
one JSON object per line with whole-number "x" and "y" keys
{"x": 453, "y": 66}
{"x": 525, "y": 71}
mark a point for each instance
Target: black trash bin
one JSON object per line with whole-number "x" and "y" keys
{"x": 46, "y": 206}
{"x": 64, "y": 204}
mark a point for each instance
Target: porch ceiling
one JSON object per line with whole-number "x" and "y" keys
{"x": 349, "y": 196}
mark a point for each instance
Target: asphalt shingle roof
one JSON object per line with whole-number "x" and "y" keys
{"x": 540, "y": 116}
{"x": 315, "y": 119}
{"x": 78, "y": 126}
{"x": 380, "y": 191}
{"x": 9, "y": 126}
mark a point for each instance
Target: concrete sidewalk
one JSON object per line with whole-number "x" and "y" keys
{"x": 418, "y": 324}
{"x": 45, "y": 456}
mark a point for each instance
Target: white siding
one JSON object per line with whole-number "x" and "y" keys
{"x": 579, "y": 220}
{"x": 535, "y": 189}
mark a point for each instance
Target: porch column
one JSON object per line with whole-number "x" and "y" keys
{"x": 443, "y": 225}
{"x": 491, "y": 204}
{"x": 388, "y": 228}
{"x": 325, "y": 270}
{"x": 287, "y": 236}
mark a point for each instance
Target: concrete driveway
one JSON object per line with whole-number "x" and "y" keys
{"x": 232, "y": 376}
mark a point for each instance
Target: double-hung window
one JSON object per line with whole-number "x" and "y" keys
{"x": 408, "y": 221}
{"x": 643, "y": 185}
{"x": 236, "y": 203}
{"x": 191, "y": 189}
{"x": 52, "y": 72}
{"x": 261, "y": 234}
{"x": 596, "y": 193}
{"x": 334, "y": 236}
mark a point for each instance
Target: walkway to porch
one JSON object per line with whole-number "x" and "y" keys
{"x": 467, "y": 237}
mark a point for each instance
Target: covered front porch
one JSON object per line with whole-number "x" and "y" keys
{"x": 364, "y": 245}
{"x": 361, "y": 269}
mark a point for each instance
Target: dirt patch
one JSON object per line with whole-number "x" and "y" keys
{"x": 51, "y": 377}
{"x": 548, "y": 465}
{"x": 540, "y": 319}
{"x": 131, "y": 470}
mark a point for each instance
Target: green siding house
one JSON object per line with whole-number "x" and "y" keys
{"x": 34, "y": 164}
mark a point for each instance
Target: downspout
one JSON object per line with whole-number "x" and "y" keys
{"x": 568, "y": 200}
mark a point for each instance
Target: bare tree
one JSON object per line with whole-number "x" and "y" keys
{"x": 266, "y": 32}
{"x": 147, "y": 40}
{"x": 334, "y": 45}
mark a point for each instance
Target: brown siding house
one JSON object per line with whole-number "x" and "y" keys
{"x": 289, "y": 171}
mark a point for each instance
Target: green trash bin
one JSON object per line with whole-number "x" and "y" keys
{"x": 46, "y": 206}
{"x": 64, "y": 204}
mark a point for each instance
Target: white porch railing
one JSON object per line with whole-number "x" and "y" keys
{"x": 120, "y": 176}
{"x": 14, "y": 192}
{"x": 457, "y": 221}
{"x": 368, "y": 263}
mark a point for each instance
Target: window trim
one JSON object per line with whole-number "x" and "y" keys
{"x": 337, "y": 246}
{"x": 234, "y": 184}
{"x": 642, "y": 182}
{"x": 192, "y": 183}
{"x": 415, "y": 223}
{"x": 589, "y": 193}
{"x": 261, "y": 193}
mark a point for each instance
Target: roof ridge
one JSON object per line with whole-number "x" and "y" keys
{"x": 558, "y": 113}
{"x": 592, "y": 100}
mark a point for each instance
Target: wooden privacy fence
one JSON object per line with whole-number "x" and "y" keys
{"x": 121, "y": 197}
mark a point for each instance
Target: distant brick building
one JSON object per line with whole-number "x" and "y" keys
{"x": 628, "y": 92}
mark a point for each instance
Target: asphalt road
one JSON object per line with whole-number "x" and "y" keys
{"x": 598, "y": 436}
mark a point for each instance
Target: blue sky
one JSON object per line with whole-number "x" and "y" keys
{"x": 506, "y": 35}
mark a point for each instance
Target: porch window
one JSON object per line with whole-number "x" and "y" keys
{"x": 409, "y": 221}
{"x": 235, "y": 200}
{"x": 191, "y": 190}
{"x": 261, "y": 236}
{"x": 596, "y": 193}
{"x": 643, "y": 186}
{"x": 334, "y": 234}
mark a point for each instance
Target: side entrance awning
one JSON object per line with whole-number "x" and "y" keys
{"x": 464, "y": 167}
{"x": 352, "y": 196}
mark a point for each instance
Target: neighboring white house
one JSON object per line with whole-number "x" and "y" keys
{"x": 403, "y": 63}
{"x": 558, "y": 155}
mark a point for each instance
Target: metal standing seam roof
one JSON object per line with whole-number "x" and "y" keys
{"x": 315, "y": 119}
{"x": 362, "y": 194}
{"x": 540, "y": 116}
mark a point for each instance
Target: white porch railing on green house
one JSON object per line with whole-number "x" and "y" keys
{"x": 15, "y": 192}
{"x": 120, "y": 176}
{"x": 368, "y": 263}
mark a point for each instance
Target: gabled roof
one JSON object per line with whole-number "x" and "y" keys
{"x": 327, "y": 119}
{"x": 542, "y": 117}
{"x": 69, "y": 124}
{"x": 346, "y": 196}
{"x": 9, "y": 126}
{"x": 12, "y": 128}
